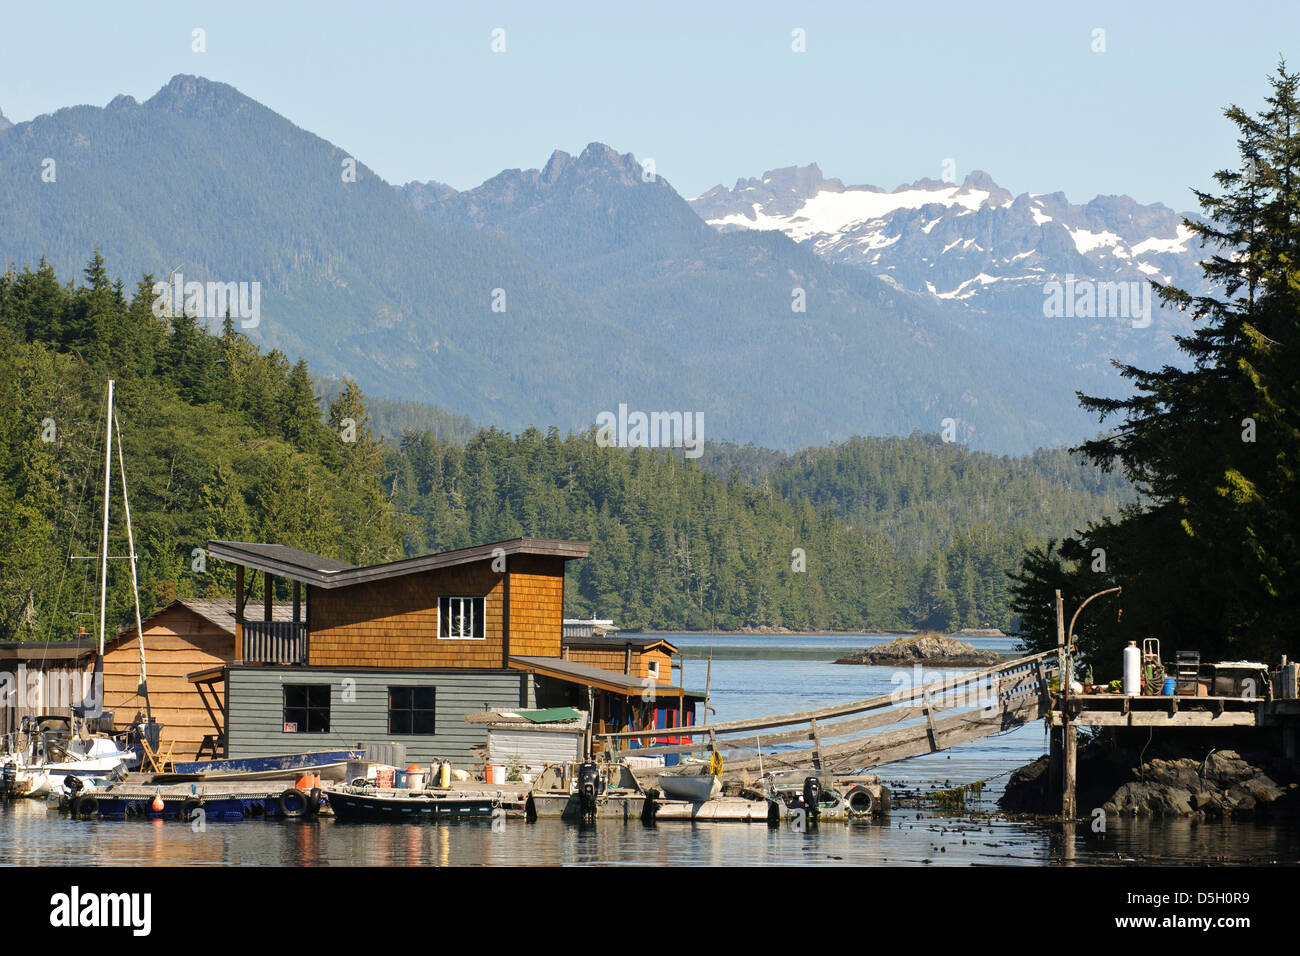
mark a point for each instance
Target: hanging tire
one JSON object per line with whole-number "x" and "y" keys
{"x": 85, "y": 805}
{"x": 313, "y": 802}
{"x": 861, "y": 802}
{"x": 293, "y": 804}
{"x": 190, "y": 807}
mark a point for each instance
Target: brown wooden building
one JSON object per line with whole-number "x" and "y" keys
{"x": 393, "y": 653}
{"x": 402, "y": 651}
{"x": 649, "y": 657}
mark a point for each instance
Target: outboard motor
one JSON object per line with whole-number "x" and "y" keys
{"x": 73, "y": 784}
{"x": 812, "y": 797}
{"x": 9, "y": 778}
{"x": 588, "y": 788}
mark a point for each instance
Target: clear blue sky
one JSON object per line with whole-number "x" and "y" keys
{"x": 884, "y": 93}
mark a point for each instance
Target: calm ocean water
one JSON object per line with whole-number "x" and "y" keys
{"x": 751, "y": 676}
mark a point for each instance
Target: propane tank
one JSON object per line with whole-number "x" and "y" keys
{"x": 444, "y": 775}
{"x": 1132, "y": 684}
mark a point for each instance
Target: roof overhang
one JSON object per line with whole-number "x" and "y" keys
{"x": 639, "y": 644}
{"x": 598, "y": 678}
{"x": 324, "y": 572}
{"x": 49, "y": 651}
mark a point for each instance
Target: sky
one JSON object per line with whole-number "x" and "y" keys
{"x": 881, "y": 94}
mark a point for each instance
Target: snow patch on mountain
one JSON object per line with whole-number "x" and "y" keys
{"x": 972, "y": 242}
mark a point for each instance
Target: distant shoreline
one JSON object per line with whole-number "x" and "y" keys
{"x": 967, "y": 634}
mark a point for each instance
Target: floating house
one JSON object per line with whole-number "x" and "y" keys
{"x": 401, "y": 652}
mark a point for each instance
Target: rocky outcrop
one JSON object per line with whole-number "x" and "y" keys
{"x": 1222, "y": 784}
{"x": 923, "y": 649}
{"x": 1225, "y": 783}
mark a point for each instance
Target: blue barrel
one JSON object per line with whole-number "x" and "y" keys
{"x": 1169, "y": 687}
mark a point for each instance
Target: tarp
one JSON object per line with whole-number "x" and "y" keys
{"x": 552, "y": 716}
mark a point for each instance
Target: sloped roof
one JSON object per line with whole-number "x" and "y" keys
{"x": 617, "y": 643}
{"x": 323, "y": 572}
{"x": 221, "y": 611}
{"x": 218, "y": 611}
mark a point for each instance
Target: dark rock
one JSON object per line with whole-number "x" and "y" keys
{"x": 924, "y": 648}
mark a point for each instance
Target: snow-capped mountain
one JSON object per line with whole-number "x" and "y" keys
{"x": 1029, "y": 258}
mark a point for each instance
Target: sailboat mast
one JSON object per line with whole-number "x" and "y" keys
{"x": 135, "y": 585}
{"x": 108, "y": 474}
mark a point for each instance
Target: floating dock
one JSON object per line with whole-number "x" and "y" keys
{"x": 222, "y": 801}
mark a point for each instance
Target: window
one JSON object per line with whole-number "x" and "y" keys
{"x": 306, "y": 708}
{"x": 411, "y": 710}
{"x": 652, "y": 669}
{"x": 460, "y": 618}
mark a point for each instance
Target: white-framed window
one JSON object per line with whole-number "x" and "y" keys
{"x": 460, "y": 618}
{"x": 652, "y": 669}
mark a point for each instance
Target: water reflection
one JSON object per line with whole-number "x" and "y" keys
{"x": 31, "y": 835}
{"x": 743, "y": 685}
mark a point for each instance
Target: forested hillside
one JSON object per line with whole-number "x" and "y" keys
{"x": 894, "y": 533}
{"x": 219, "y": 441}
{"x": 222, "y": 441}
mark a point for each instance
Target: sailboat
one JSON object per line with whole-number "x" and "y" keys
{"x": 51, "y": 749}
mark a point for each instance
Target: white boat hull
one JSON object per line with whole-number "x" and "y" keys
{"x": 695, "y": 788}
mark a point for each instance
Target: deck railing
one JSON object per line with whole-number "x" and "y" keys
{"x": 275, "y": 642}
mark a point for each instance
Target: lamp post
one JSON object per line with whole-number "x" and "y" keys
{"x": 1069, "y": 638}
{"x": 1069, "y": 741}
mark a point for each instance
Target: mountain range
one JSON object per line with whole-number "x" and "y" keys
{"x": 987, "y": 258}
{"x": 788, "y": 311}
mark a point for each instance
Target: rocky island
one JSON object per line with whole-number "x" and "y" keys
{"x": 927, "y": 648}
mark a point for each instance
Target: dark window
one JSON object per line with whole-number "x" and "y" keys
{"x": 306, "y": 708}
{"x": 411, "y": 709}
{"x": 460, "y": 617}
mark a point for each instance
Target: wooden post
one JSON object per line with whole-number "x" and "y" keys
{"x": 268, "y": 586}
{"x": 1062, "y": 652}
{"x": 505, "y": 615}
{"x": 1055, "y": 773}
{"x": 931, "y": 730}
{"x": 1068, "y": 809}
{"x": 297, "y": 602}
{"x": 239, "y": 613}
{"x": 817, "y": 743}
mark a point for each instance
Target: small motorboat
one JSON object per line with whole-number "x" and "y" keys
{"x": 330, "y": 764}
{"x": 50, "y": 748}
{"x": 373, "y": 804}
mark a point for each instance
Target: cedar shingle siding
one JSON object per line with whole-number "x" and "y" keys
{"x": 394, "y": 622}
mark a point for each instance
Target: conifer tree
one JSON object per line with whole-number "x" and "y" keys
{"x": 1210, "y": 556}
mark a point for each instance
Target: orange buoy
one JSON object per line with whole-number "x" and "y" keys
{"x": 157, "y": 803}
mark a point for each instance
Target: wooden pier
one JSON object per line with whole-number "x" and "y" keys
{"x": 852, "y": 737}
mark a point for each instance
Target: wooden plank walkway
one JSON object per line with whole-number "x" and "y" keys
{"x": 956, "y": 710}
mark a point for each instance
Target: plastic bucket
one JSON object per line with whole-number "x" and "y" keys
{"x": 496, "y": 773}
{"x": 1169, "y": 687}
{"x": 384, "y": 778}
{"x": 415, "y": 779}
